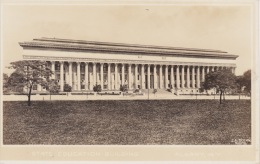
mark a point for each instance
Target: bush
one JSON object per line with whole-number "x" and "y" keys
{"x": 97, "y": 88}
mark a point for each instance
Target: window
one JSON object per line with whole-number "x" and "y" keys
{"x": 34, "y": 87}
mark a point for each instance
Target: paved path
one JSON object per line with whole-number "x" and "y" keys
{"x": 114, "y": 97}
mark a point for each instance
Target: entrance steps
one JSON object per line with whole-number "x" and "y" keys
{"x": 159, "y": 92}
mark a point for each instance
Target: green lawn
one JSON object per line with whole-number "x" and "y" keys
{"x": 137, "y": 122}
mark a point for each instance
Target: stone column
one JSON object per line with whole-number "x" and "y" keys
{"x": 233, "y": 69}
{"x": 178, "y": 76}
{"x": 102, "y": 75}
{"x": 203, "y": 73}
{"x": 108, "y": 76}
{"x": 129, "y": 76}
{"x": 198, "y": 77}
{"x": 166, "y": 76}
{"x": 188, "y": 76}
{"x": 86, "y": 76}
{"x": 154, "y": 77}
{"x": 123, "y": 74}
{"x": 193, "y": 76}
{"x": 116, "y": 76}
{"x": 207, "y": 69}
{"x": 148, "y": 76}
{"x": 94, "y": 74}
{"x": 136, "y": 76}
{"x": 53, "y": 69}
{"x": 78, "y": 76}
{"x": 70, "y": 74}
{"x": 39, "y": 87}
{"x": 172, "y": 76}
{"x": 212, "y": 68}
{"x": 61, "y": 76}
{"x": 143, "y": 77}
{"x": 182, "y": 77}
{"x": 160, "y": 74}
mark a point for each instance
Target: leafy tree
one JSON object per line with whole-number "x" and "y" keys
{"x": 97, "y": 88}
{"x": 6, "y": 88}
{"x": 52, "y": 86}
{"x": 240, "y": 84}
{"x": 244, "y": 83}
{"x": 222, "y": 80}
{"x": 29, "y": 73}
{"x": 247, "y": 81}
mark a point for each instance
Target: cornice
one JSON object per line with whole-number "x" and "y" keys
{"x": 120, "y": 61}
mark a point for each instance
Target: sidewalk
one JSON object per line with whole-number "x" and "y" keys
{"x": 116, "y": 97}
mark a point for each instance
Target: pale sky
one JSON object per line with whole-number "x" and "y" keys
{"x": 220, "y": 27}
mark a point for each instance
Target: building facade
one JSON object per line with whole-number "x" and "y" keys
{"x": 83, "y": 64}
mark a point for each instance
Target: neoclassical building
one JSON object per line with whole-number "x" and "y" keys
{"x": 83, "y": 64}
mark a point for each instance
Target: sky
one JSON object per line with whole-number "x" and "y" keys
{"x": 222, "y": 27}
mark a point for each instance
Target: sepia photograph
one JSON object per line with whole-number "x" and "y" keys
{"x": 166, "y": 74}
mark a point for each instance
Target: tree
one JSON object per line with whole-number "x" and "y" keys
{"x": 52, "y": 86}
{"x": 29, "y": 73}
{"x": 247, "y": 81}
{"x": 97, "y": 88}
{"x": 223, "y": 81}
{"x": 6, "y": 88}
{"x": 240, "y": 84}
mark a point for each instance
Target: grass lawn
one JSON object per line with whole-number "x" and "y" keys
{"x": 136, "y": 122}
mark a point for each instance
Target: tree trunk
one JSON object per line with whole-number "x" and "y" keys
{"x": 220, "y": 97}
{"x": 29, "y": 96}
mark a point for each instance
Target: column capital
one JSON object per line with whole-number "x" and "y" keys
{"x": 101, "y": 63}
{"x": 52, "y": 62}
{"x": 61, "y": 62}
{"x": 78, "y": 62}
{"x": 129, "y": 65}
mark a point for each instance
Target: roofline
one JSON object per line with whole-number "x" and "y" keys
{"x": 106, "y": 47}
{"x": 124, "y": 44}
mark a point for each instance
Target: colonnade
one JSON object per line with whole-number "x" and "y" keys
{"x": 84, "y": 75}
